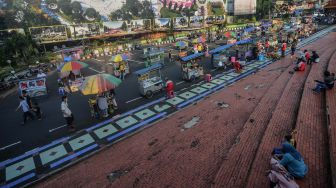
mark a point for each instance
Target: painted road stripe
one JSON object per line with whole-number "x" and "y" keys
{"x": 178, "y": 83}
{"x": 98, "y": 60}
{"x": 52, "y": 130}
{"x": 136, "y": 61}
{"x": 132, "y": 100}
{"x": 126, "y": 131}
{"x": 96, "y": 70}
{"x": 10, "y": 145}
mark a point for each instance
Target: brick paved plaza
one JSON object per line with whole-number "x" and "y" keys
{"x": 226, "y": 139}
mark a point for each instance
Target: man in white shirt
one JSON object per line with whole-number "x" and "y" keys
{"x": 25, "y": 108}
{"x": 67, "y": 114}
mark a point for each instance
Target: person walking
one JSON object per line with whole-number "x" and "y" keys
{"x": 25, "y": 108}
{"x": 67, "y": 114}
{"x": 170, "y": 56}
{"x": 27, "y": 98}
{"x": 103, "y": 105}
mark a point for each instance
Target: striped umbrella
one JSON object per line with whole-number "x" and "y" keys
{"x": 73, "y": 66}
{"x": 99, "y": 83}
{"x": 181, "y": 44}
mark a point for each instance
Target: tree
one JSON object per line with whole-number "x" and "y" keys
{"x": 65, "y": 6}
{"x": 21, "y": 47}
{"x": 164, "y": 3}
{"x": 124, "y": 26}
{"x": 170, "y": 4}
{"x": 180, "y": 8}
{"x": 91, "y": 13}
{"x": 76, "y": 7}
{"x": 175, "y": 6}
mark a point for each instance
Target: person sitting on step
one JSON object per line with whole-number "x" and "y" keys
{"x": 329, "y": 79}
{"x": 300, "y": 66}
{"x": 292, "y": 160}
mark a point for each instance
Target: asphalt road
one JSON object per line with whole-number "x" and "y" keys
{"x": 16, "y": 139}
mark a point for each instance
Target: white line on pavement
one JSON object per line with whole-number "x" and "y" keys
{"x": 99, "y": 60}
{"x": 10, "y": 145}
{"x": 136, "y": 61}
{"x": 133, "y": 100}
{"x": 178, "y": 83}
{"x": 52, "y": 130}
{"x": 96, "y": 70}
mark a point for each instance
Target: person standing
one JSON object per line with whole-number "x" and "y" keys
{"x": 169, "y": 88}
{"x": 283, "y": 48}
{"x": 25, "y": 108}
{"x": 103, "y": 106}
{"x": 67, "y": 114}
{"x": 27, "y": 98}
{"x": 170, "y": 56}
{"x": 122, "y": 70}
{"x": 293, "y": 48}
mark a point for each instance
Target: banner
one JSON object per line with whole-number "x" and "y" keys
{"x": 140, "y": 25}
{"x": 86, "y": 30}
{"x": 48, "y": 34}
{"x": 115, "y": 28}
{"x": 196, "y": 21}
{"x": 245, "y": 7}
{"x": 219, "y": 19}
{"x": 180, "y": 22}
{"x": 209, "y": 20}
{"x": 162, "y": 23}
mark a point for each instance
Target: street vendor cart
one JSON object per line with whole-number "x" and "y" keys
{"x": 154, "y": 56}
{"x": 35, "y": 87}
{"x": 150, "y": 80}
{"x": 120, "y": 65}
{"x": 191, "y": 69}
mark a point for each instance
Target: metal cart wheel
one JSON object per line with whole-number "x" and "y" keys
{"x": 192, "y": 78}
{"x": 149, "y": 94}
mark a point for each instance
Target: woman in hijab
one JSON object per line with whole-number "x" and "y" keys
{"x": 293, "y": 161}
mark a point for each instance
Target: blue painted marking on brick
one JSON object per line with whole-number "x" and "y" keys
{"x": 126, "y": 114}
{"x": 20, "y": 180}
{"x": 126, "y": 131}
{"x": 194, "y": 99}
{"x": 29, "y": 153}
{"x": 99, "y": 124}
{"x": 57, "y": 163}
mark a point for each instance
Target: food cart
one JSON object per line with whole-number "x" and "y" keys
{"x": 220, "y": 61}
{"x": 154, "y": 56}
{"x": 119, "y": 64}
{"x": 150, "y": 80}
{"x": 191, "y": 69}
{"x": 35, "y": 87}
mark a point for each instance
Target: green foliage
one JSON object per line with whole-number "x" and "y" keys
{"x": 133, "y": 9}
{"x": 20, "y": 48}
{"x": 166, "y": 13}
{"x": 91, "y": 13}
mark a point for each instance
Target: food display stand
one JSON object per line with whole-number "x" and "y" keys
{"x": 154, "y": 56}
{"x": 35, "y": 87}
{"x": 191, "y": 69}
{"x": 150, "y": 80}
